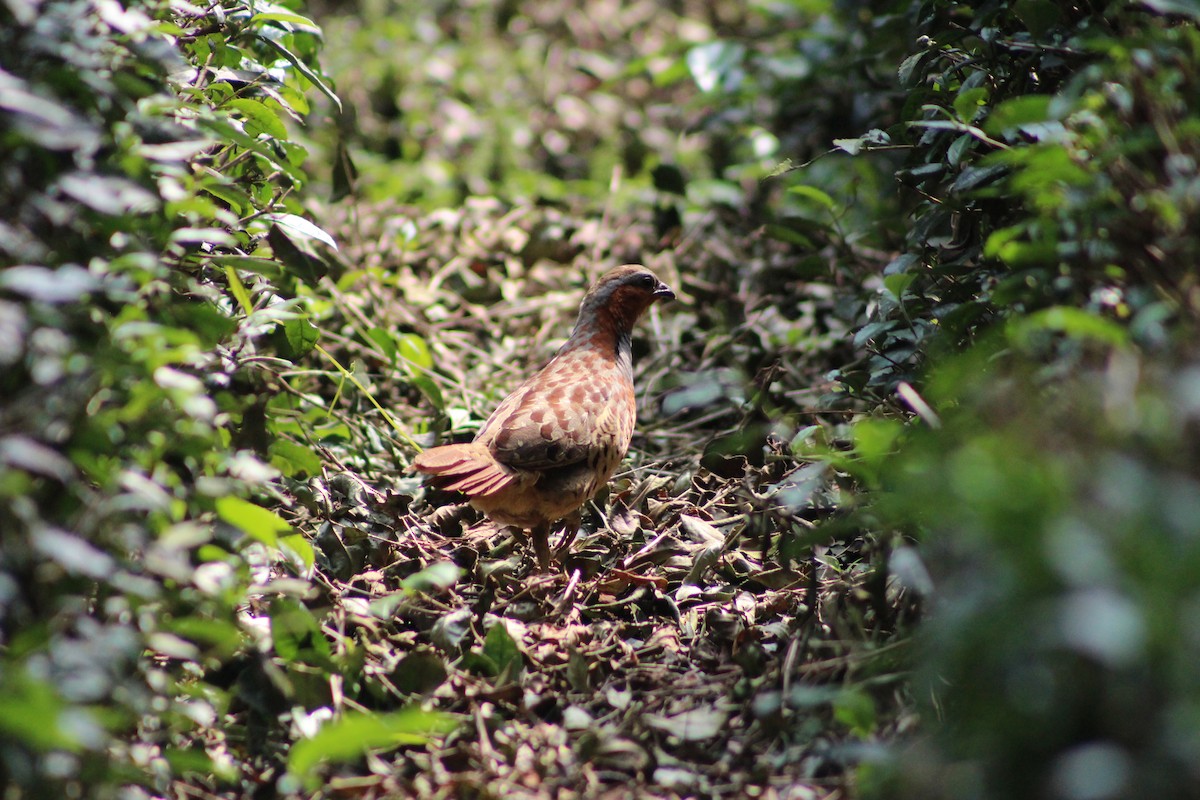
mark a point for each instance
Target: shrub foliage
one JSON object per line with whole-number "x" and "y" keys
{"x": 150, "y": 243}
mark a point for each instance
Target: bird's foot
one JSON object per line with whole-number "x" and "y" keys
{"x": 540, "y": 536}
{"x": 570, "y": 532}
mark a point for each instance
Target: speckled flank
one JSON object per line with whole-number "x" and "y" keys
{"x": 552, "y": 443}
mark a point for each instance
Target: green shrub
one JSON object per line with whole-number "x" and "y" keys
{"x": 148, "y": 178}
{"x": 1061, "y": 525}
{"x": 1047, "y": 284}
{"x": 1054, "y": 148}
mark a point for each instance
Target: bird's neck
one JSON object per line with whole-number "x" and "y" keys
{"x": 605, "y": 333}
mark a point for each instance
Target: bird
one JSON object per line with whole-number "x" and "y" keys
{"x": 555, "y": 441}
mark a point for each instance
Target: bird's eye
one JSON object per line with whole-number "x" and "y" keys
{"x": 647, "y": 280}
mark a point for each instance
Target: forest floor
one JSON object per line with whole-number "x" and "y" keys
{"x": 718, "y": 628}
{"x": 704, "y": 636}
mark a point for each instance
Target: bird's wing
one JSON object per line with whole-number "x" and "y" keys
{"x": 551, "y": 422}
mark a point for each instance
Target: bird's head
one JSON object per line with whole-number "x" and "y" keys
{"x": 623, "y": 294}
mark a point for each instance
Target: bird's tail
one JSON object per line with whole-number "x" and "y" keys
{"x": 468, "y": 468}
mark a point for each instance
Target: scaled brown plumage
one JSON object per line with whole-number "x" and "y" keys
{"x": 557, "y": 439}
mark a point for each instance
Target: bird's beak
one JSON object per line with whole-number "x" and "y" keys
{"x": 663, "y": 292}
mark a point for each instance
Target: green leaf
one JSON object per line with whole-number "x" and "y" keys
{"x": 968, "y": 102}
{"x": 855, "y": 709}
{"x": 297, "y": 255}
{"x": 294, "y": 460}
{"x": 896, "y": 284}
{"x": 255, "y": 521}
{"x": 385, "y": 340}
{"x": 229, "y": 132}
{"x": 1075, "y": 323}
{"x": 438, "y": 576}
{"x": 675, "y": 71}
{"x": 384, "y": 607}
{"x": 875, "y": 439}
{"x": 267, "y": 267}
{"x": 501, "y": 649}
{"x": 299, "y": 226}
{"x": 412, "y": 348}
{"x": 296, "y": 634}
{"x": 283, "y": 15}
{"x": 814, "y": 194}
{"x": 1038, "y": 15}
{"x": 356, "y": 734}
{"x": 873, "y": 329}
{"x": 1042, "y": 170}
{"x": 300, "y": 547}
{"x": 429, "y": 390}
{"x": 192, "y": 760}
{"x": 907, "y": 71}
{"x": 414, "y": 354}
{"x": 1012, "y": 246}
{"x": 259, "y": 118}
{"x": 301, "y": 335}
{"x": 420, "y": 672}
{"x": 31, "y": 712}
{"x": 1016, "y": 112}
{"x": 783, "y": 233}
{"x": 216, "y": 633}
{"x": 239, "y": 291}
{"x": 974, "y": 177}
{"x": 303, "y": 69}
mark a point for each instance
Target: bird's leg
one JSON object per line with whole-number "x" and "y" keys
{"x": 519, "y": 537}
{"x": 570, "y": 530}
{"x": 540, "y": 534}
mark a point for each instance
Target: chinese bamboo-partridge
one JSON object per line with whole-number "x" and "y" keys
{"x": 557, "y": 439}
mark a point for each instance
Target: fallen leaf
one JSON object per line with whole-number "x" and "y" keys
{"x": 696, "y": 725}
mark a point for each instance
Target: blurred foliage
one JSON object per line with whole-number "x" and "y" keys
{"x": 1061, "y": 526}
{"x": 1045, "y": 304}
{"x": 152, "y": 247}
